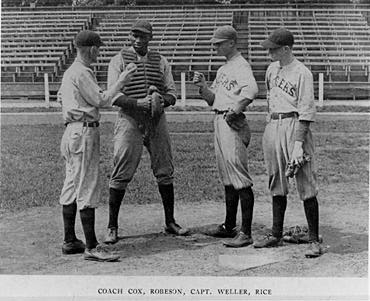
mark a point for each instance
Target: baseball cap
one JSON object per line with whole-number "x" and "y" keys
{"x": 143, "y": 26}
{"x": 278, "y": 38}
{"x": 224, "y": 33}
{"x": 88, "y": 38}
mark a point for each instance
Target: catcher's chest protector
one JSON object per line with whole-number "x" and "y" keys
{"x": 148, "y": 74}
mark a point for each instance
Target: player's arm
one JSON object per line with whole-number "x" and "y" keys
{"x": 247, "y": 90}
{"x": 92, "y": 92}
{"x": 205, "y": 92}
{"x": 170, "y": 95}
{"x": 306, "y": 111}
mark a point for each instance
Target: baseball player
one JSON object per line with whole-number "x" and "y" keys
{"x": 141, "y": 122}
{"x": 233, "y": 89}
{"x": 288, "y": 138}
{"x": 81, "y": 98}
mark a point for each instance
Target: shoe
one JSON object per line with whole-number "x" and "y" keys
{"x": 99, "y": 254}
{"x": 314, "y": 250}
{"x": 241, "y": 240}
{"x": 112, "y": 236}
{"x": 221, "y": 231}
{"x": 268, "y": 242}
{"x": 74, "y": 247}
{"x": 173, "y": 228}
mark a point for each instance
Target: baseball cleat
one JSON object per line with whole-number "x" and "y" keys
{"x": 73, "y": 247}
{"x": 173, "y": 228}
{"x": 314, "y": 250}
{"x": 99, "y": 254}
{"x": 222, "y": 231}
{"x": 268, "y": 242}
{"x": 241, "y": 240}
{"x": 112, "y": 236}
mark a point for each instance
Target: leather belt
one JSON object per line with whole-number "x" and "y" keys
{"x": 283, "y": 115}
{"x": 93, "y": 124}
{"x": 218, "y": 112}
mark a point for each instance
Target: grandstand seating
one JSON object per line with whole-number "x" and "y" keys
{"x": 335, "y": 42}
{"x": 38, "y": 43}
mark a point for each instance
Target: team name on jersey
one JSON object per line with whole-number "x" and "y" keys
{"x": 284, "y": 85}
{"x": 224, "y": 81}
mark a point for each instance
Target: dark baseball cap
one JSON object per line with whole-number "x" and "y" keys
{"x": 224, "y": 33}
{"x": 88, "y": 38}
{"x": 278, "y": 38}
{"x": 143, "y": 26}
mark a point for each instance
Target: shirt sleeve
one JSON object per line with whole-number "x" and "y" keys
{"x": 306, "y": 102}
{"x": 169, "y": 83}
{"x": 247, "y": 87}
{"x": 90, "y": 90}
{"x": 115, "y": 68}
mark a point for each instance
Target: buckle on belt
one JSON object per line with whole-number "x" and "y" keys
{"x": 220, "y": 112}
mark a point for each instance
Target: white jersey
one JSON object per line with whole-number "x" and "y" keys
{"x": 234, "y": 82}
{"x": 290, "y": 89}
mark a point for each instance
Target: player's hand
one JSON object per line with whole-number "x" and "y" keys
{"x": 199, "y": 79}
{"x": 297, "y": 154}
{"x": 126, "y": 75}
{"x": 144, "y": 103}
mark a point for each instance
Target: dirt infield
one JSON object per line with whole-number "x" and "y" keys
{"x": 31, "y": 241}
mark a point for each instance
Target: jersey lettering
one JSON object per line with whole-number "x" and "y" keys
{"x": 286, "y": 86}
{"x": 224, "y": 81}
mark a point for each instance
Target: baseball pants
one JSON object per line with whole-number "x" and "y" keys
{"x": 80, "y": 148}
{"x": 231, "y": 154}
{"x": 128, "y": 149}
{"x": 278, "y": 144}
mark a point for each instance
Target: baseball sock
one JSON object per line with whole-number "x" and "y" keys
{"x": 279, "y": 204}
{"x": 88, "y": 225}
{"x": 231, "y": 200}
{"x": 69, "y": 217}
{"x": 246, "y": 204}
{"x": 115, "y": 200}
{"x": 168, "y": 199}
{"x": 311, "y": 209}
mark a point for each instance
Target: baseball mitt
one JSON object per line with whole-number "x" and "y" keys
{"x": 298, "y": 235}
{"x": 292, "y": 168}
{"x": 234, "y": 120}
{"x": 156, "y": 104}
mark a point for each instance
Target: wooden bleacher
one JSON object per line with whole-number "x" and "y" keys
{"x": 34, "y": 43}
{"x": 335, "y": 42}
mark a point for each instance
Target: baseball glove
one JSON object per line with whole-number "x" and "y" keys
{"x": 298, "y": 235}
{"x": 156, "y": 104}
{"x": 235, "y": 120}
{"x": 292, "y": 168}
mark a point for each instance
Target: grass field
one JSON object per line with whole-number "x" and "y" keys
{"x": 32, "y": 170}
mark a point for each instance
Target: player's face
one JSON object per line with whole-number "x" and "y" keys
{"x": 140, "y": 41}
{"x": 223, "y": 48}
{"x": 277, "y": 54}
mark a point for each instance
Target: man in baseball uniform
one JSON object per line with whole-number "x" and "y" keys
{"x": 288, "y": 138}
{"x": 135, "y": 128}
{"x": 233, "y": 89}
{"x": 81, "y": 98}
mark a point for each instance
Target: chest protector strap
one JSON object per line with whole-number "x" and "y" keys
{"x": 148, "y": 74}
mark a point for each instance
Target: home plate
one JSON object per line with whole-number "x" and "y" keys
{"x": 251, "y": 259}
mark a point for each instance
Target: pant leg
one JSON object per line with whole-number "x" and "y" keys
{"x": 277, "y": 145}
{"x": 159, "y": 148}
{"x": 128, "y": 148}
{"x": 81, "y": 149}
{"x": 231, "y": 155}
